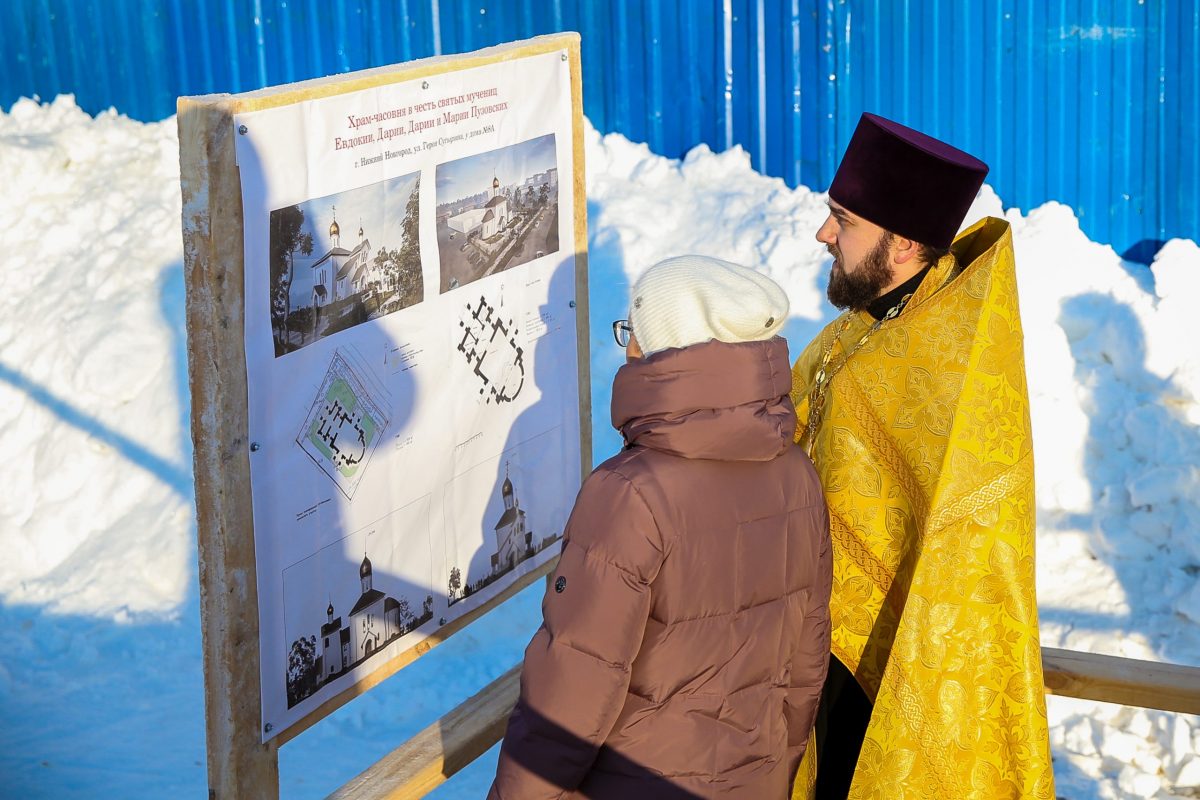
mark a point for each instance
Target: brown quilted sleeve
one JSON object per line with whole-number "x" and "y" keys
{"x": 810, "y": 659}
{"x": 577, "y": 667}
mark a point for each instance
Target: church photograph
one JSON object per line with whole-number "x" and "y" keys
{"x": 496, "y": 210}
{"x": 340, "y": 260}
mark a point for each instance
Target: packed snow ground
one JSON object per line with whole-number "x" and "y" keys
{"x": 101, "y": 688}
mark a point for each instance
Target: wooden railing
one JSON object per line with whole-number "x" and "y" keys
{"x": 428, "y": 759}
{"x": 1126, "y": 681}
{"x": 425, "y": 761}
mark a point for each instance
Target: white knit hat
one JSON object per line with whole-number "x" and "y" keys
{"x": 692, "y": 299}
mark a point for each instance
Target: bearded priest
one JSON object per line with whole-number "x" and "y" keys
{"x": 913, "y": 406}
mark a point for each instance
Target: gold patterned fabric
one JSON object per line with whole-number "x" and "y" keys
{"x": 924, "y": 450}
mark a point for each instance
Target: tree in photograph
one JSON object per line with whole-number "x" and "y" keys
{"x": 455, "y": 583}
{"x": 302, "y": 669}
{"x": 383, "y": 264}
{"x": 287, "y": 239}
{"x": 301, "y": 319}
{"x": 408, "y": 260}
{"x": 427, "y": 607}
{"x": 544, "y": 194}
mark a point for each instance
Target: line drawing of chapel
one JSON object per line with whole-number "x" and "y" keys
{"x": 373, "y": 621}
{"x": 513, "y": 540}
{"x": 515, "y": 543}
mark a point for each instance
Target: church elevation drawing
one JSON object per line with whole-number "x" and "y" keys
{"x": 324, "y": 281}
{"x": 350, "y": 637}
{"x": 496, "y": 210}
{"x": 514, "y": 543}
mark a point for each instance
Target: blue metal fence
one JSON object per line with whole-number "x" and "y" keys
{"x": 1095, "y": 103}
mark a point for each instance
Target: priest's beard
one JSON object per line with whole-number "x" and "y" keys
{"x": 856, "y": 290}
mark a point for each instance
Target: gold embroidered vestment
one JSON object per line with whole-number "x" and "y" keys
{"x": 924, "y": 449}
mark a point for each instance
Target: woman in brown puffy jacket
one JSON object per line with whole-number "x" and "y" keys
{"x": 686, "y": 629}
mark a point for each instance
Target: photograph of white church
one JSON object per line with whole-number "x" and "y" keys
{"x": 497, "y": 210}
{"x": 350, "y": 635}
{"x": 340, "y": 260}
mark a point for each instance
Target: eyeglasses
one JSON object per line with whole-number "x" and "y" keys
{"x": 622, "y": 330}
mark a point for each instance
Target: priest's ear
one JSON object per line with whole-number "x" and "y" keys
{"x": 904, "y": 251}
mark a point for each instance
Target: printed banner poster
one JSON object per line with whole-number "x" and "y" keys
{"x": 411, "y": 355}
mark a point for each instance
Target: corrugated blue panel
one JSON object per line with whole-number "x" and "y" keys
{"x": 844, "y": 89}
{"x": 742, "y": 80}
{"x": 1180, "y": 166}
{"x": 1062, "y": 96}
{"x": 812, "y": 84}
{"x": 779, "y": 86}
{"x": 655, "y": 42}
{"x": 1150, "y": 171}
{"x": 627, "y": 93}
{"x": 1030, "y": 110}
{"x": 705, "y": 101}
{"x": 1002, "y": 146}
{"x": 599, "y": 59}
{"x": 1185, "y": 195}
{"x": 1089, "y": 102}
{"x": 1096, "y": 59}
{"x": 1124, "y": 205}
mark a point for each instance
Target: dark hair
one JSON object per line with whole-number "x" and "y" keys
{"x": 930, "y": 255}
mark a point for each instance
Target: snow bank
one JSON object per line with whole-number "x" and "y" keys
{"x": 96, "y": 509}
{"x": 96, "y": 519}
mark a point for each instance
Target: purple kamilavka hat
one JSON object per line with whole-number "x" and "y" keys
{"x": 906, "y": 182}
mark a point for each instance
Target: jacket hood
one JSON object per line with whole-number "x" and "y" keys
{"x": 716, "y": 400}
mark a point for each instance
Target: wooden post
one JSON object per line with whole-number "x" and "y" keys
{"x": 239, "y": 765}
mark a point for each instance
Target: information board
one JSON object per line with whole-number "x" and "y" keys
{"x": 411, "y": 361}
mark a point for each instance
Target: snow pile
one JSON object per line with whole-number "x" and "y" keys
{"x": 643, "y": 208}
{"x": 97, "y": 587}
{"x": 1116, "y": 410}
{"x": 96, "y": 508}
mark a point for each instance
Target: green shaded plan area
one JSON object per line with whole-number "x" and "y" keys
{"x": 343, "y": 429}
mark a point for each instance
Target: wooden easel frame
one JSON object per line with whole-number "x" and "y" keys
{"x": 239, "y": 764}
